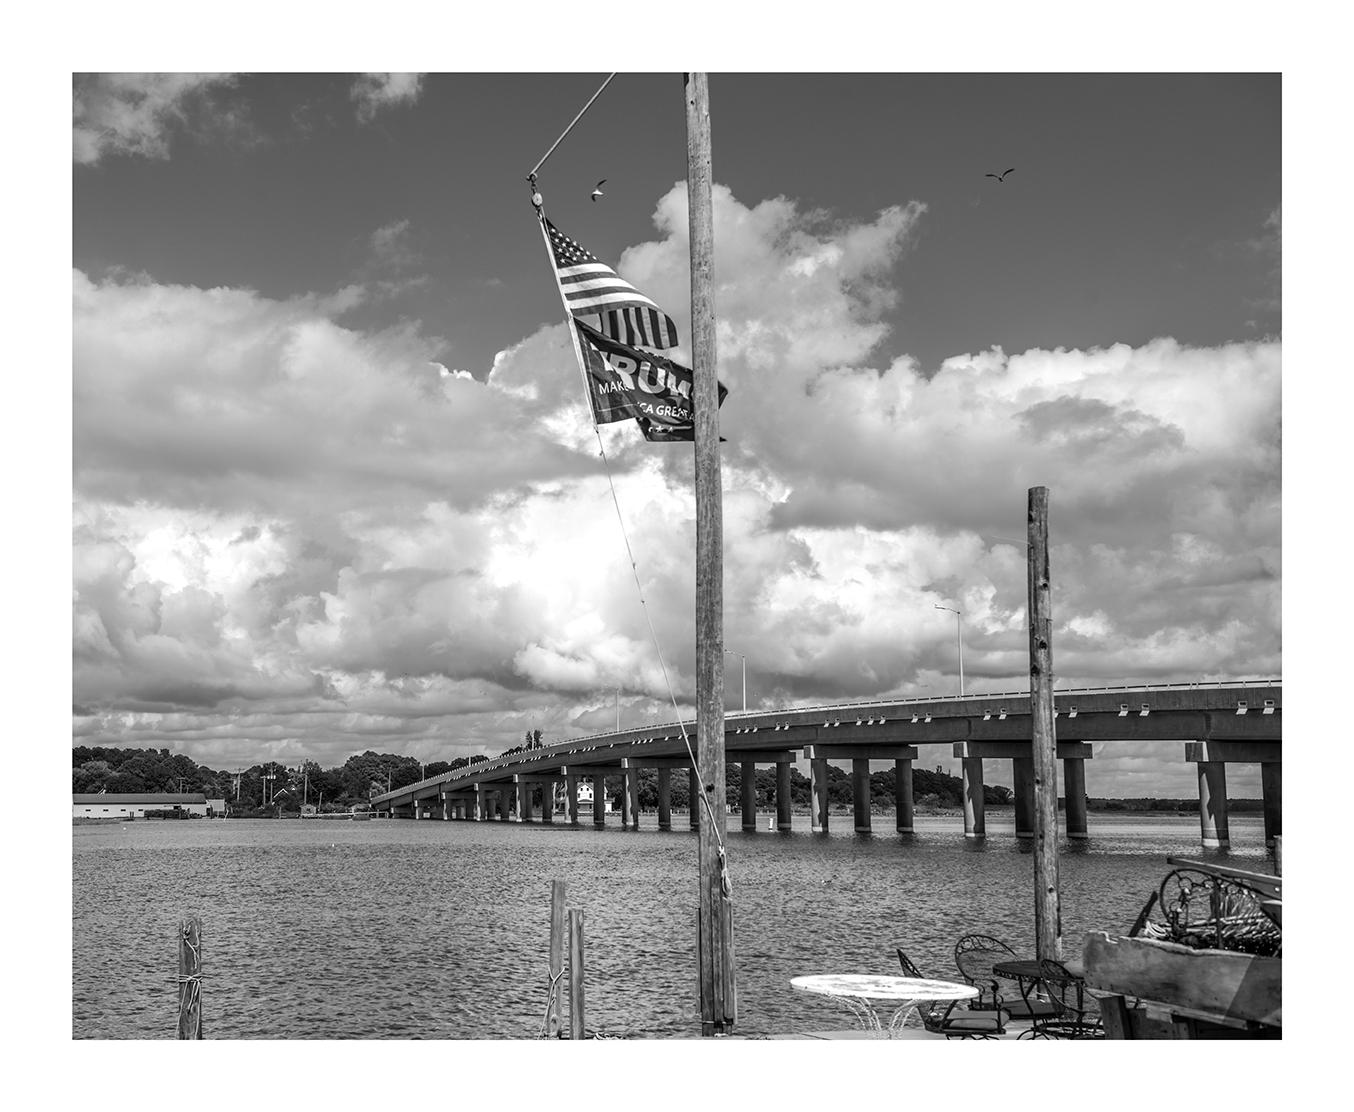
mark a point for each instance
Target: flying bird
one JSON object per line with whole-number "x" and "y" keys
{"x": 598, "y": 191}
{"x": 1001, "y": 176}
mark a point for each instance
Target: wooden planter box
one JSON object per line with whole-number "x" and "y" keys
{"x": 1189, "y": 991}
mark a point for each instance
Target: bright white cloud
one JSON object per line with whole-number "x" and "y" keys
{"x": 296, "y": 535}
{"x": 374, "y": 92}
{"x": 137, "y": 113}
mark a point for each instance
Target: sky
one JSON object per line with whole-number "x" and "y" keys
{"x": 334, "y": 485}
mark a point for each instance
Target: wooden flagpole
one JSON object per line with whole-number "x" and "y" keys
{"x": 717, "y": 988}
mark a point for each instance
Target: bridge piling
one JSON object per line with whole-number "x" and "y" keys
{"x": 903, "y": 803}
{"x": 748, "y": 777}
{"x": 599, "y": 802}
{"x": 1213, "y": 805}
{"x": 818, "y": 774}
{"x": 784, "y": 809}
{"x": 1271, "y": 787}
{"x": 1074, "y": 796}
{"x": 1022, "y": 777}
{"x": 665, "y": 799}
{"x": 975, "y": 816}
{"x": 693, "y": 797}
{"x": 860, "y": 794}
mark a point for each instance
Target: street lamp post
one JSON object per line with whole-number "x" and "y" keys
{"x": 959, "y": 636}
{"x": 740, "y": 656}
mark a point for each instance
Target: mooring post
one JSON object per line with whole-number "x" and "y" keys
{"x": 190, "y": 977}
{"x": 575, "y": 973}
{"x": 556, "y": 963}
{"x": 1047, "y": 905}
{"x": 716, "y": 954}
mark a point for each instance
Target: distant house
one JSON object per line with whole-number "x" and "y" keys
{"x": 216, "y": 808}
{"x": 114, "y": 805}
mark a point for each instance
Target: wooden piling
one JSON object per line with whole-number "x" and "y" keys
{"x": 556, "y": 962}
{"x": 190, "y": 977}
{"x": 715, "y": 953}
{"x": 575, "y": 973}
{"x": 1047, "y": 903}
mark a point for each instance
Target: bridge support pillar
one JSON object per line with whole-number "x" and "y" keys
{"x": 784, "y": 808}
{"x": 524, "y": 802}
{"x": 505, "y": 802}
{"x": 975, "y": 817}
{"x": 481, "y": 803}
{"x": 693, "y": 795}
{"x": 748, "y": 776}
{"x": 1074, "y": 796}
{"x": 665, "y": 799}
{"x": 860, "y": 794}
{"x": 548, "y": 802}
{"x": 599, "y": 802}
{"x": 627, "y": 812}
{"x": 1213, "y": 805}
{"x": 1022, "y": 775}
{"x": 1271, "y": 787}
{"x": 632, "y": 793}
{"x": 818, "y": 774}
{"x": 571, "y": 797}
{"x": 902, "y": 796}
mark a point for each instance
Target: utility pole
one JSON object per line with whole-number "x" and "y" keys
{"x": 1048, "y": 927}
{"x": 718, "y": 996}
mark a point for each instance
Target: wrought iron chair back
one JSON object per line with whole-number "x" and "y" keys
{"x": 936, "y": 1015}
{"x": 1077, "y": 1012}
{"x": 974, "y": 956}
{"x": 1206, "y": 911}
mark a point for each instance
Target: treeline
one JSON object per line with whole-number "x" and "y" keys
{"x": 1151, "y": 803}
{"x": 271, "y": 788}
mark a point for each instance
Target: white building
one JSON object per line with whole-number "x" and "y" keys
{"x": 121, "y": 805}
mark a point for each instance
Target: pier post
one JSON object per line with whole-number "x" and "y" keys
{"x": 1213, "y": 805}
{"x": 576, "y": 968}
{"x": 784, "y": 804}
{"x": 555, "y": 958}
{"x": 571, "y": 797}
{"x": 190, "y": 977}
{"x": 627, "y": 811}
{"x": 1074, "y": 796}
{"x": 748, "y": 771}
{"x": 1022, "y": 774}
{"x": 902, "y": 796}
{"x": 665, "y": 799}
{"x": 860, "y": 794}
{"x": 1271, "y": 787}
{"x": 975, "y": 817}
{"x": 599, "y": 802}
{"x": 818, "y": 775}
{"x": 693, "y": 798}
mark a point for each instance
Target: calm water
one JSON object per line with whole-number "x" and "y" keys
{"x": 401, "y": 929}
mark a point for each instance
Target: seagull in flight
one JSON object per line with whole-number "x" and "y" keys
{"x": 1001, "y": 176}
{"x": 597, "y": 192}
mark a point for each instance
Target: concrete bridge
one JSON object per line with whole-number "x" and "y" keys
{"x": 1218, "y": 724}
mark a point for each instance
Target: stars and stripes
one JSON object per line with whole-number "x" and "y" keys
{"x": 591, "y": 287}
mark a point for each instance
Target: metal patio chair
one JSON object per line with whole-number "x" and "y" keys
{"x": 1076, "y": 1011}
{"x": 939, "y": 1016}
{"x": 974, "y": 956}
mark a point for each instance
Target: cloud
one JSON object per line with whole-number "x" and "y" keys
{"x": 295, "y": 538}
{"x": 375, "y": 92}
{"x": 137, "y": 114}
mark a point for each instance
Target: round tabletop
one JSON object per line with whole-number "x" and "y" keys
{"x": 875, "y": 987}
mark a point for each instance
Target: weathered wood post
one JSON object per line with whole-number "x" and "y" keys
{"x": 1048, "y": 928}
{"x": 190, "y": 977}
{"x": 575, "y": 973}
{"x": 556, "y": 963}
{"x": 715, "y": 954}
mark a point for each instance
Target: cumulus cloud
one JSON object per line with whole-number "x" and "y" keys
{"x": 296, "y": 535}
{"x": 138, "y": 113}
{"x": 375, "y": 92}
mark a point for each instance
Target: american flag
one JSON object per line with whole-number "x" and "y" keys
{"x": 591, "y": 287}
